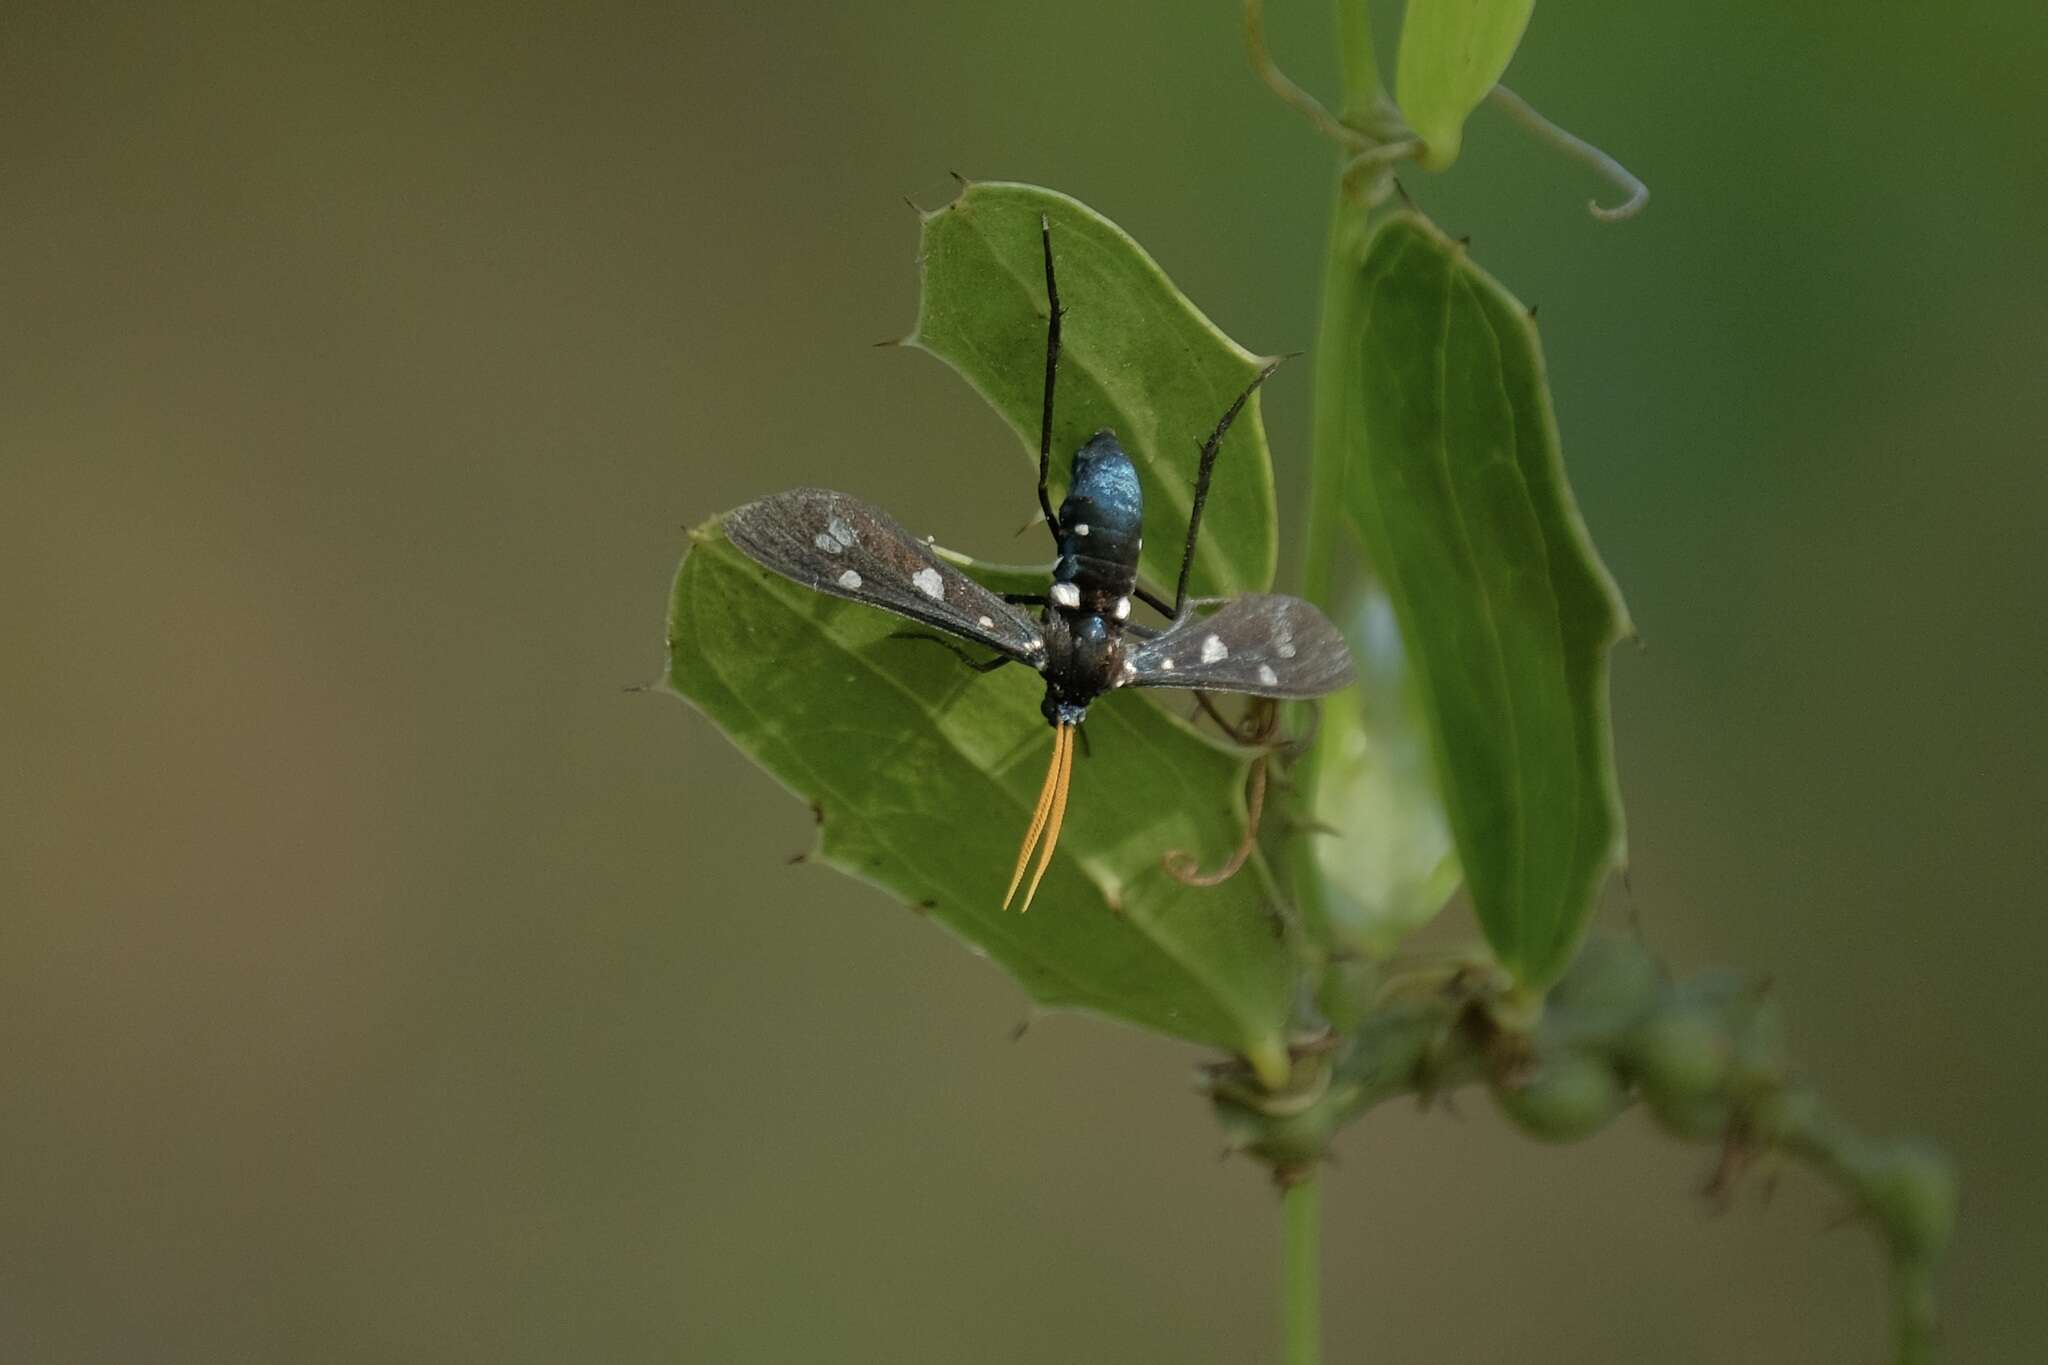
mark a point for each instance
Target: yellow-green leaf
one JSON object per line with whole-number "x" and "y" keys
{"x": 1452, "y": 52}
{"x": 1455, "y": 482}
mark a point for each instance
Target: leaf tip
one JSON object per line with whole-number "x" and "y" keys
{"x": 1269, "y": 1061}
{"x": 1439, "y": 152}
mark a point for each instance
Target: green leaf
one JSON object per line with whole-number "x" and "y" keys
{"x": 1452, "y": 52}
{"x": 1457, "y": 487}
{"x": 924, "y": 773}
{"x": 1388, "y": 864}
{"x": 1136, "y": 357}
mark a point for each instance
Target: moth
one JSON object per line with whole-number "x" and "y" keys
{"x": 1078, "y": 635}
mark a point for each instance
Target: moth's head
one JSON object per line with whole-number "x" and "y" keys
{"x": 1062, "y": 711}
{"x": 1079, "y": 668}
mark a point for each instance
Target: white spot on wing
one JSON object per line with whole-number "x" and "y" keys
{"x": 1214, "y": 651}
{"x": 1123, "y": 608}
{"x": 1080, "y": 528}
{"x": 1283, "y": 641}
{"x": 1130, "y": 671}
{"x": 1066, "y": 595}
{"x": 928, "y": 582}
{"x": 1267, "y": 675}
{"x": 838, "y": 533}
{"x": 985, "y": 622}
{"x": 849, "y": 580}
{"x": 1166, "y": 665}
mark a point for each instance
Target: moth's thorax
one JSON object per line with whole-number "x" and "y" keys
{"x": 1101, "y": 525}
{"x": 1083, "y": 657}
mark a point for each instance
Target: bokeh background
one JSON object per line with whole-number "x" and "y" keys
{"x": 380, "y": 982}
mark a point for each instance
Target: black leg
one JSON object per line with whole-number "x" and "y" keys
{"x": 1052, "y": 365}
{"x": 1025, "y": 599}
{"x": 1152, "y": 600}
{"x": 1202, "y": 473}
{"x": 978, "y": 665}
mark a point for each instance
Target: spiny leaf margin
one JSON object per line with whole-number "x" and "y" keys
{"x": 1137, "y": 357}
{"x": 923, "y": 774}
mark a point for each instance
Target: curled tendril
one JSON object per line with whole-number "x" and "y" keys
{"x": 1182, "y": 865}
{"x": 1578, "y": 148}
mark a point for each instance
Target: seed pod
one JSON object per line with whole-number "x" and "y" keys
{"x": 1612, "y": 984}
{"x": 1567, "y": 1095}
{"x": 1681, "y": 1054}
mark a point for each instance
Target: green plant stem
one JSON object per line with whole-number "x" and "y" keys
{"x": 1326, "y": 433}
{"x": 1364, "y": 98}
{"x": 1322, "y": 538}
{"x": 1302, "y": 1209}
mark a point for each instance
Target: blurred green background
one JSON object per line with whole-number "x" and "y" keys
{"x": 381, "y": 983}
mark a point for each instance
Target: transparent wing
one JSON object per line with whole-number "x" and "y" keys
{"x": 842, "y": 546}
{"x": 1263, "y": 644}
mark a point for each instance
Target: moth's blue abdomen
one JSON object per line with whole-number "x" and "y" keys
{"x": 1101, "y": 523}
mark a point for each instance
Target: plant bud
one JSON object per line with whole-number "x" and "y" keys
{"x": 1681, "y": 1054}
{"x": 1610, "y": 985}
{"x": 1567, "y": 1095}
